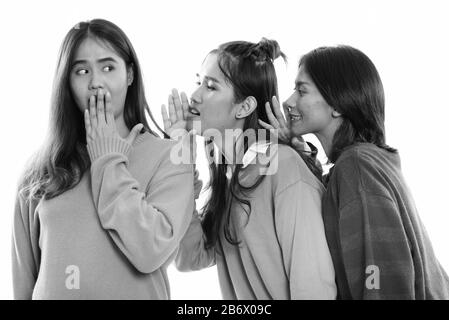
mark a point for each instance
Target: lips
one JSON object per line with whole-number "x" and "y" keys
{"x": 194, "y": 111}
{"x": 294, "y": 116}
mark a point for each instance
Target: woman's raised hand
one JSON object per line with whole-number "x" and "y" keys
{"x": 99, "y": 120}
{"x": 282, "y": 126}
{"x": 277, "y": 121}
{"x": 175, "y": 124}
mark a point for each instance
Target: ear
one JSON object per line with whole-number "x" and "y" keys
{"x": 335, "y": 113}
{"x": 130, "y": 74}
{"x": 246, "y": 107}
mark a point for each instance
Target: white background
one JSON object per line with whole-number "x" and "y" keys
{"x": 407, "y": 40}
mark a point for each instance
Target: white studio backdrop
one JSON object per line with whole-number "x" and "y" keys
{"x": 407, "y": 41}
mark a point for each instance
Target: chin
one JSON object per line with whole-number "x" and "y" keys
{"x": 299, "y": 131}
{"x": 189, "y": 124}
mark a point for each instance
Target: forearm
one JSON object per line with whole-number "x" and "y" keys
{"x": 192, "y": 254}
{"x": 146, "y": 227}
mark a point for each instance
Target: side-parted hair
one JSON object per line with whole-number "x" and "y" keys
{"x": 249, "y": 69}
{"x": 349, "y": 82}
{"x": 63, "y": 159}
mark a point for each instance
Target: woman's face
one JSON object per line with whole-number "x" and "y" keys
{"x": 97, "y": 67}
{"x": 307, "y": 109}
{"x": 213, "y": 100}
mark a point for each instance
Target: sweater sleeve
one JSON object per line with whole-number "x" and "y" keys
{"x": 192, "y": 254}
{"x": 300, "y": 231}
{"x": 25, "y": 249}
{"x": 375, "y": 252}
{"x": 146, "y": 226}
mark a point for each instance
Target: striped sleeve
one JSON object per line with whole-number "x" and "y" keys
{"x": 375, "y": 251}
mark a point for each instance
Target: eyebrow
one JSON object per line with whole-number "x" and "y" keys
{"x": 107, "y": 59}
{"x": 300, "y": 83}
{"x": 209, "y": 78}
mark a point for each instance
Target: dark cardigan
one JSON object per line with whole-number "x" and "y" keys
{"x": 378, "y": 244}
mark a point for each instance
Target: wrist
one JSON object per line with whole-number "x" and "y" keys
{"x": 106, "y": 145}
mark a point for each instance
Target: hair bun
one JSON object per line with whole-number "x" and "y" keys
{"x": 270, "y": 48}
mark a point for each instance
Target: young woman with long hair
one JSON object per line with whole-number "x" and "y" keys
{"x": 262, "y": 224}
{"x": 95, "y": 215}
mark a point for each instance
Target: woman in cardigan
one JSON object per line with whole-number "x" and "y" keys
{"x": 379, "y": 246}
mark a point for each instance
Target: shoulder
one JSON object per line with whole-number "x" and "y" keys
{"x": 162, "y": 153}
{"x": 364, "y": 167}
{"x": 288, "y": 168}
{"x": 366, "y": 158}
{"x": 149, "y": 141}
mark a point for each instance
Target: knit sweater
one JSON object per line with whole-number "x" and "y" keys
{"x": 379, "y": 246}
{"x": 113, "y": 235}
{"x": 283, "y": 252}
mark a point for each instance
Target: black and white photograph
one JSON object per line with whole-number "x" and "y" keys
{"x": 224, "y": 150}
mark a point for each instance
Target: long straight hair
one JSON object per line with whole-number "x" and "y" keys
{"x": 63, "y": 159}
{"x": 249, "y": 68}
{"x": 349, "y": 82}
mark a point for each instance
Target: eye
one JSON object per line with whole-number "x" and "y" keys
{"x": 81, "y": 71}
{"x": 210, "y": 86}
{"x": 300, "y": 91}
{"x": 108, "y": 68}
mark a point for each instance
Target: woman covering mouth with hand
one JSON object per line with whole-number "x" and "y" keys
{"x": 95, "y": 215}
{"x": 379, "y": 245}
{"x": 262, "y": 224}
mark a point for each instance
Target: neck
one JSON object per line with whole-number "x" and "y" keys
{"x": 326, "y": 136}
{"x": 326, "y": 142}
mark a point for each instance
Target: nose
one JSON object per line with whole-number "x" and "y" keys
{"x": 96, "y": 81}
{"x": 289, "y": 103}
{"x": 195, "y": 98}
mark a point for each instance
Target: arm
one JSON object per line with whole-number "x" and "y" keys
{"x": 25, "y": 250}
{"x": 300, "y": 230}
{"x": 375, "y": 252}
{"x": 192, "y": 254}
{"x": 146, "y": 227}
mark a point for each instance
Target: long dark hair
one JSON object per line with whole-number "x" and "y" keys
{"x": 349, "y": 82}
{"x": 62, "y": 160}
{"x": 249, "y": 68}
